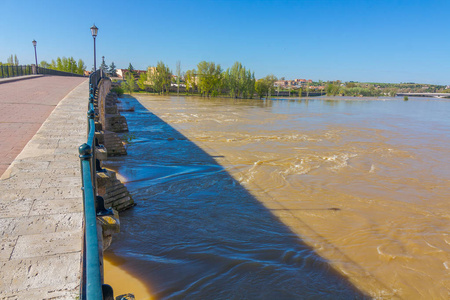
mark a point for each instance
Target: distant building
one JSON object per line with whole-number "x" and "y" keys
{"x": 150, "y": 72}
{"x": 281, "y": 83}
{"x": 302, "y": 82}
{"x": 122, "y": 72}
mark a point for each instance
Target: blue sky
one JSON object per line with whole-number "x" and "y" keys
{"x": 373, "y": 40}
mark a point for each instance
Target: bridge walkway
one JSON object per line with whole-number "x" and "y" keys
{"x": 24, "y": 106}
{"x": 41, "y": 208}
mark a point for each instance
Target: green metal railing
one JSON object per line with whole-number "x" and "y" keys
{"x": 7, "y": 71}
{"x": 91, "y": 286}
{"x": 46, "y": 71}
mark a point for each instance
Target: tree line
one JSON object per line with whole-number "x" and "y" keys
{"x": 355, "y": 89}
{"x": 61, "y": 64}
{"x": 65, "y": 64}
{"x": 11, "y": 61}
{"x": 208, "y": 79}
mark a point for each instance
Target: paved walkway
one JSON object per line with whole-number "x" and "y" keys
{"x": 41, "y": 208}
{"x": 24, "y": 106}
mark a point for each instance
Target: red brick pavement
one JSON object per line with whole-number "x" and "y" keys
{"x": 24, "y": 106}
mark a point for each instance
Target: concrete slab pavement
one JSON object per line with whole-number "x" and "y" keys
{"x": 24, "y": 106}
{"x": 41, "y": 208}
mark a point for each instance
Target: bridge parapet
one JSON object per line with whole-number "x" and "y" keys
{"x": 100, "y": 223}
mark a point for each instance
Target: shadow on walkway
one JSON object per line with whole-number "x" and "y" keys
{"x": 196, "y": 233}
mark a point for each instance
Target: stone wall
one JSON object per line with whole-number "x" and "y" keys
{"x": 109, "y": 123}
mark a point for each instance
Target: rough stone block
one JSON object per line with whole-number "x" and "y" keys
{"x": 20, "y": 276}
{"x": 7, "y": 246}
{"x": 41, "y": 224}
{"x": 110, "y": 225}
{"x": 116, "y": 123}
{"x": 114, "y": 144}
{"x": 47, "y": 244}
{"x": 101, "y": 153}
{"x": 57, "y": 206}
{"x": 14, "y": 208}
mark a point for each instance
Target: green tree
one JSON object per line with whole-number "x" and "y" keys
{"x": 332, "y": 89}
{"x": 233, "y": 80}
{"x": 209, "y": 78}
{"x": 261, "y": 88}
{"x": 59, "y": 65}
{"x": 248, "y": 83}
{"x": 160, "y": 77}
{"x": 141, "y": 81}
{"x": 239, "y": 81}
{"x": 81, "y": 67}
{"x": 393, "y": 92}
{"x": 65, "y": 64}
{"x": 178, "y": 72}
{"x": 270, "y": 80}
{"x": 44, "y": 64}
{"x": 16, "y": 60}
{"x": 190, "y": 80}
{"x": 71, "y": 65}
{"x": 130, "y": 68}
{"x": 112, "y": 70}
{"x": 103, "y": 65}
{"x": 129, "y": 85}
{"x": 10, "y": 60}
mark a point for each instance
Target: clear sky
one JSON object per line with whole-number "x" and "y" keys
{"x": 364, "y": 40}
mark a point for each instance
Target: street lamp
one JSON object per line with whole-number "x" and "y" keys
{"x": 35, "y": 53}
{"x": 94, "y": 31}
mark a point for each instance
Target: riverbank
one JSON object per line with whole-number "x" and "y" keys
{"x": 312, "y": 97}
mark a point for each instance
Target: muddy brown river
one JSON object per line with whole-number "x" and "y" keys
{"x": 342, "y": 198}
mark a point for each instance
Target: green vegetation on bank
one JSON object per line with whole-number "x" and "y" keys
{"x": 209, "y": 79}
{"x": 65, "y": 64}
{"x": 357, "y": 89}
{"x": 11, "y": 61}
{"x": 61, "y": 64}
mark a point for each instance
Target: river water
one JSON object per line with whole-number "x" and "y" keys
{"x": 342, "y": 198}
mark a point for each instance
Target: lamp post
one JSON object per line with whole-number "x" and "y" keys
{"x": 94, "y": 31}
{"x": 35, "y": 54}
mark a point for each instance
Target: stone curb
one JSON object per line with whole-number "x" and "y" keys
{"x": 12, "y": 79}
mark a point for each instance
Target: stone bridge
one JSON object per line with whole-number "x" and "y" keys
{"x": 431, "y": 95}
{"x": 42, "y": 123}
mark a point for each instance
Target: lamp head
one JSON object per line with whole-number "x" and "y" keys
{"x": 94, "y": 30}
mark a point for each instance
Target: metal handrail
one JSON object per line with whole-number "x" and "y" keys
{"x": 7, "y": 71}
{"x": 46, "y": 71}
{"x": 92, "y": 287}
